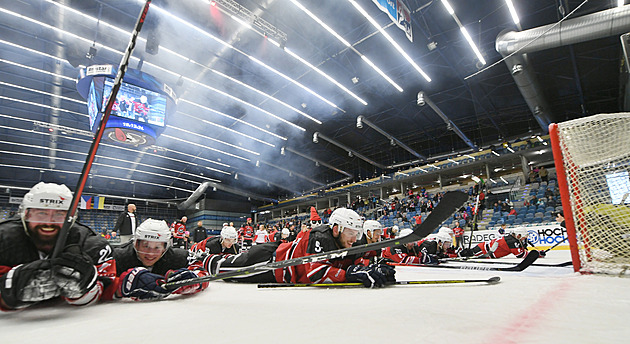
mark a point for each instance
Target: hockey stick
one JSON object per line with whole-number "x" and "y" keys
{"x": 451, "y": 201}
{"x": 489, "y": 261}
{"x": 63, "y": 233}
{"x": 529, "y": 260}
{"x": 492, "y": 280}
{"x": 556, "y": 244}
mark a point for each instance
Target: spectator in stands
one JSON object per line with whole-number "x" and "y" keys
{"x": 531, "y": 177}
{"x": 560, "y": 219}
{"x": 127, "y": 223}
{"x": 551, "y": 202}
{"x": 199, "y": 233}
{"x": 543, "y": 174}
{"x": 261, "y": 235}
{"x": 513, "y": 212}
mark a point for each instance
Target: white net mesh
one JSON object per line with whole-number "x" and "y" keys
{"x": 596, "y": 159}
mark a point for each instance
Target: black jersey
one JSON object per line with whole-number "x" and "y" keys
{"x": 173, "y": 259}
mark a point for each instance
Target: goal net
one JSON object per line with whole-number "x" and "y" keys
{"x": 592, "y": 157}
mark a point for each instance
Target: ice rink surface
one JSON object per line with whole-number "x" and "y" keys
{"x": 538, "y": 305}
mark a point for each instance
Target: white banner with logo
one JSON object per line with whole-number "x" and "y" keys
{"x": 399, "y": 13}
{"x": 543, "y": 236}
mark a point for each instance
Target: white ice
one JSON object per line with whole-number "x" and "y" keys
{"x": 538, "y": 305}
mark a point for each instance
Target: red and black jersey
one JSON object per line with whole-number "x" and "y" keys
{"x": 17, "y": 248}
{"x": 178, "y": 228}
{"x": 317, "y": 240}
{"x": 501, "y": 247}
{"x": 400, "y": 254}
{"x": 458, "y": 231}
{"x": 246, "y": 233}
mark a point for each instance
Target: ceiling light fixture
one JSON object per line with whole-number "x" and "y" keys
{"x": 390, "y": 39}
{"x": 347, "y": 44}
{"x": 451, "y": 11}
{"x": 512, "y": 10}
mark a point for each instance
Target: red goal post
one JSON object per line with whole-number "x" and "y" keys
{"x": 592, "y": 158}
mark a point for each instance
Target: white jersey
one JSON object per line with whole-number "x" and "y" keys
{"x": 261, "y": 237}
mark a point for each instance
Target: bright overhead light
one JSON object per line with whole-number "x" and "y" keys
{"x": 294, "y": 55}
{"x": 505, "y": 181}
{"x": 346, "y": 43}
{"x": 510, "y": 149}
{"x": 381, "y": 73}
{"x": 390, "y": 39}
{"x": 448, "y": 7}
{"x": 492, "y": 180}
{"x": 495, "y": 153}
{"x": 510, "y": 6}
{"x": 451, "y": 160}
{"x": 472, "y": 44}
{"x": 218, "y": 40}
{"x": 469, "y": 156}
{"x": 242, "y": 22}
{"x": 539, "y": 138}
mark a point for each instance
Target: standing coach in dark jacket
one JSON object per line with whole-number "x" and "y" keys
{"x": 199, "y": 234}
{"x": 127, "y": 223}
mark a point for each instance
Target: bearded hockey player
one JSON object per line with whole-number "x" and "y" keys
{"x": 82, "y": 274}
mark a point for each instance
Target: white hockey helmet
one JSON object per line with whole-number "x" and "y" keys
{"x": 446, "y": 230}
{"x": 46, "y": 196}
{"x": 395, "y": 228}
{"x": 372, "y": 225}
{"x": 443, "y": 237}
{"x": 522, "y": 231}
{"x": 404, "y": 232}
{"x": 286, "y": 231}
{"x": 347, "y": 218}
{"x": 228, "y": 232}
{"x": 153, "y": 230}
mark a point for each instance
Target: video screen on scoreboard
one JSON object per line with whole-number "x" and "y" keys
{"x": 92, "y": 105}
{"x": 619, "y": 187}
{"x": 136, "y": 103}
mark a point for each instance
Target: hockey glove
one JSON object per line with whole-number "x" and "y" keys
{"x": 373, "y": 276}
{"x": 140, "y": 284}
{"x": 185, "y": 274}
{"x": 75, "y": 274}
{"x": 26, "y": 284}
{"x": 429, "y": 259}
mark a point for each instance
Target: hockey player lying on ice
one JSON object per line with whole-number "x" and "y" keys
{"x": 515, "y": 242}
{"x": 344, "y": 228}
{"x": 81, "y": 274}
{"x": 148, "y": 261}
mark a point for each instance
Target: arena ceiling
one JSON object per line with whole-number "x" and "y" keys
{"x": 248, "y": 109}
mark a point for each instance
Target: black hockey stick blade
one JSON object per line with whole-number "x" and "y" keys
{"x": 451, "y": 201}
{"x": 492, "y": 280}
{"x": 529, "y": 260}
{"x": 497, "y": 261}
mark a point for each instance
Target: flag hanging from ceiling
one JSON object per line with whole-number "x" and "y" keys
{"x": 399, "y": 13}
